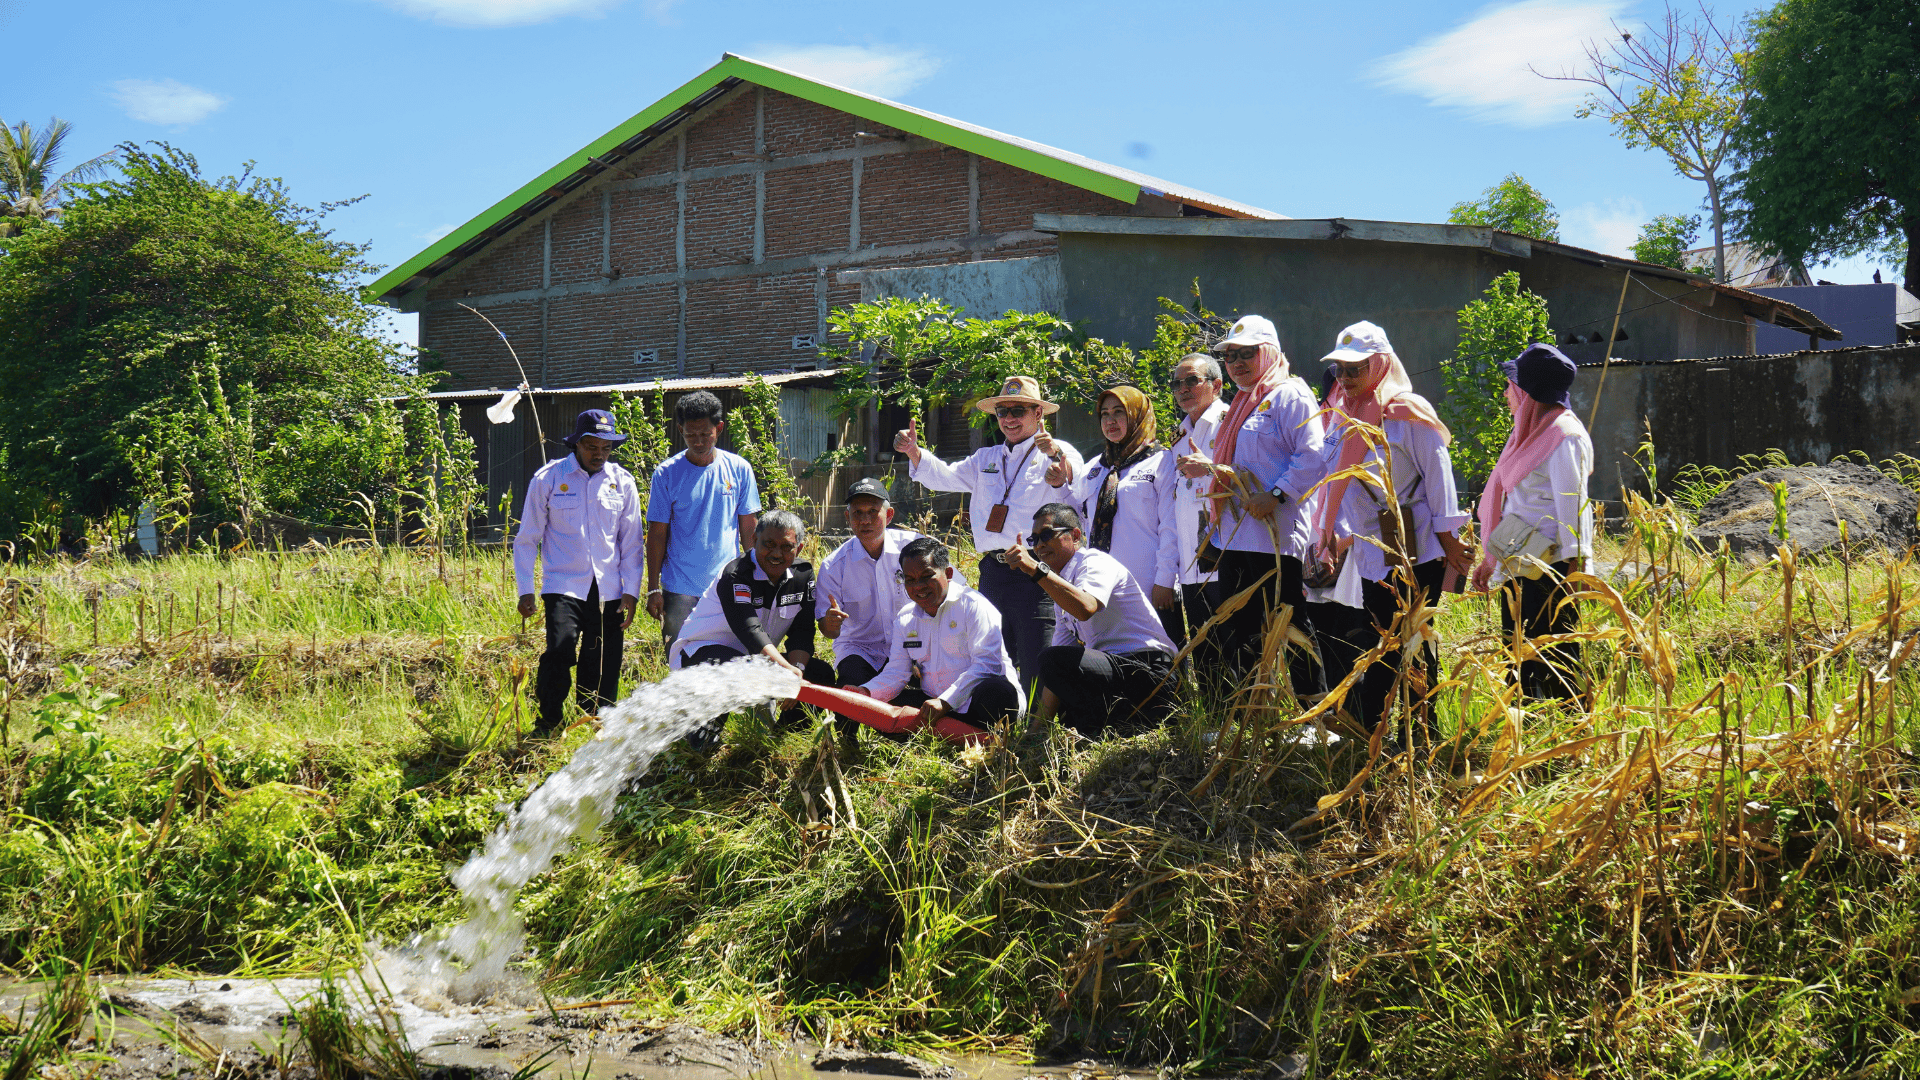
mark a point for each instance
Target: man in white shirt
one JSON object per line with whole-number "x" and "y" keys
{"x": 1184, "y": 522}
{"x": 859, "y": 593}
{"x": 947, "y": 656}
{"x": 583, "y": 519}
{"x": 1007, "y": 483}
{"x": 1110, "y": 659}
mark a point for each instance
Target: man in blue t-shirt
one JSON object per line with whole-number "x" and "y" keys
{"x": 701, "y": 514}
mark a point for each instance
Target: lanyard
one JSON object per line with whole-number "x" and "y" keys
{"x": 1017, "y": 469}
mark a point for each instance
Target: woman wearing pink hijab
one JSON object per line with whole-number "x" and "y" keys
{"x": 1540, "y": 480}
{"x": 1266, "y": 458}
{"x": 1371, "y": 386}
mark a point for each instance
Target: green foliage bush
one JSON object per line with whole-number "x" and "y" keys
{"x": 202, "y": 344}
{"x": 756, "y": 437}
{"x": 1496, "y": 327}
{"x": 1512, "y": 205}
{"x": 1665, "y": 240}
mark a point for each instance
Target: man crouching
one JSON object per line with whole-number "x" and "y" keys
{"x": 761, "y": 598}
{"x": 948, "y": 656}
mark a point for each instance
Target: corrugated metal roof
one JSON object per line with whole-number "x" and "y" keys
{"x": 642, "y": 129}
{"x": 671, "y": 386}
{"x": 1770, "y": 309}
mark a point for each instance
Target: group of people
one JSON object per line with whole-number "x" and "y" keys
{"x": 1093, "y": 575}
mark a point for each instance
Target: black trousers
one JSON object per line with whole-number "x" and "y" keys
{"x": 1556, "y": 676}
{"x": 994, "y": 699}
{"x": 853, "y": 671}
{"x": 585, "y": 633}
{"x": 1196, "y": 607}
{"x": 1240, "y": 635}
{"x": 1345, "y": 634}
{"x": 1099, "y": 690}
{"x": 816, "y": 671}
{"x": 1026, "y": 614}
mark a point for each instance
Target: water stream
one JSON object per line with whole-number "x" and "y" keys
{"x": 467, "y": 962}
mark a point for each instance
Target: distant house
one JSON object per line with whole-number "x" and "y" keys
{"x": 701, "y": 239}
{"x": 1875, "y": 314}
{"x": 1749, "y": 267}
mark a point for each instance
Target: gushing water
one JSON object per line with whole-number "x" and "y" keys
{"x": 467, "y": 962}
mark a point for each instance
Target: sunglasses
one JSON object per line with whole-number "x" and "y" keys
{"x": 1188, "y": 383}
{"x": 1041, "y": 536}
{"x": 1243, "y": 352}
{"x": 1011, "y": 410}
{"x": 1349, "y": 371}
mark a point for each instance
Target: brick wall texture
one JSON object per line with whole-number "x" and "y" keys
{"x": 721, "y": 244}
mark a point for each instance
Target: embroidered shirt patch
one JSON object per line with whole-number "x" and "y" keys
{"x": 742, "y": 594}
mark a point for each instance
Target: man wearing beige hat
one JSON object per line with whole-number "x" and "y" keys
{"x": 1007, "y": 483}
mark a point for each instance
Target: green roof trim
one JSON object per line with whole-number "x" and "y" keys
{"x": 1113, "y": 182}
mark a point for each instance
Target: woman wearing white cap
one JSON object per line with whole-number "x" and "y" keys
{"x": 1403, "y": 519}
{"x": 1266, "y": 461}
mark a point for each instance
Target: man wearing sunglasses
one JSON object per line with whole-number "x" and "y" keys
{"x": 1006, "y": 484}
{"x": 1110, "y": 656}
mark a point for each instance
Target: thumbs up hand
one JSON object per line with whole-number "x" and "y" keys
{"x": 833, "y": 619}
{"x": 907, "y": 441}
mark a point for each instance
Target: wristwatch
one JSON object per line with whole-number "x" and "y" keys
{"x": 1040, "y": 573}
{"x": 1277, "y": 493}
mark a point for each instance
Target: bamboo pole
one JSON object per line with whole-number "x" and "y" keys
{"x": 1607, "y": 362}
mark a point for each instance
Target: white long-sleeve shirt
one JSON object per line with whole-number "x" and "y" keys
{"x": 1126, "y": 621}
{"x": 586, "y": 528}
{"x": 1183, "y": 514}
{"x": 985, "y": 477}
{"x": 1422, "y": 478}
{"x": 1280, "y": 445}
{"x": 1553, "y": 498}
{"x": 1137, "y": 535}
{"x": 869, "y": 591}
{"x": 952, "y": 649}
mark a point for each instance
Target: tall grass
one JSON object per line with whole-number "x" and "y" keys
{"x": 1705, "y": 871}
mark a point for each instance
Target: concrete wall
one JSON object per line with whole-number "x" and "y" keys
{"x": 1313, "y": 288}
{"x": 716, "y": 249}
{"x": 1814, "y": 406}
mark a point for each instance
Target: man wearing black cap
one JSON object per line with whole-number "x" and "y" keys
{"x": 584, "y": 519}
{"x": 860, "y": 593}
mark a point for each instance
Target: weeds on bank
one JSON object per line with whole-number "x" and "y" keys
{"x": 1707, "y": 870}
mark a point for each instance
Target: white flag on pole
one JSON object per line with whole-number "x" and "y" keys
{"x": 501, "y": 412}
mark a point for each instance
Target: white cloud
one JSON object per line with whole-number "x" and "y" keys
{"x": 1481, "y": 67}
{"x": 166, "y": 101}
{"x": 880, "y": 70}
{"x": 510, "y": 12}
{"x": 436, "y": 232}
{"x": 1609, "y": 227}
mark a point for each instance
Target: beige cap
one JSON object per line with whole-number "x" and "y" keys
{"x": 1022, "y": 389}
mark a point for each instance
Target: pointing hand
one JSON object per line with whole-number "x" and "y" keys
{"x": 833, "y": 619}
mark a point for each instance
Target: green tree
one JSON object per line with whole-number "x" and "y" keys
{"x": 1833, "y": 133}
{"x": 1666, "y": 239}
{"x": 193, "y": 340}
{"x": 643, "y": 420}
{"x": 1680, "y": 88}
{"x": 29, "y": 189}
{"x": 756, "y": 437}
{"x": 1498, "y": 326}
{"x": 1512, "y": 205}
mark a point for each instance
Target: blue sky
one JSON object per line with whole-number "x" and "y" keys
{"x": 437, "y": 108}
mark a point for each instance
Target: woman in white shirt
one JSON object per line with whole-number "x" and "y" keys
{"x": 1118, "y": 494}
{"x": 1354, "y": 531}
{"x": 1536, "y": 522}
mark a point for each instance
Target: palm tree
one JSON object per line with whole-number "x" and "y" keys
{"x": 27, "y": 159}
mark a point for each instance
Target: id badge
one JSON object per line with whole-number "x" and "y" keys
{"x": 997, "y": 520}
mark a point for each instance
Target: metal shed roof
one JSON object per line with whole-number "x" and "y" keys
{"x": 670, "y": 386}
{"x": 605, "y": 153}
{"x": 1765, "y": 308}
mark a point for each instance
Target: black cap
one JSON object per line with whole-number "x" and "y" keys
{"x": 869, "y": 487}
{"x": 1544, "y": 373}
{"x": 595, "y": 422}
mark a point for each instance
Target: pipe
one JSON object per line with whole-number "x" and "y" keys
{"x": 880, "y": 716}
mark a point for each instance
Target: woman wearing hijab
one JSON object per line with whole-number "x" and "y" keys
{"x": 1118, "y": 494}
{"x": 1536, "y": 522}
{"x": 1371, "y": 387}
{"x": 1266, "y": 460}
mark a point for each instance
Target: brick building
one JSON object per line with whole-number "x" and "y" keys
{"x": 709, "y": 235}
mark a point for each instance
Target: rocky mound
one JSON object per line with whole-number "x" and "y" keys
{"x": 1878, "y": 511}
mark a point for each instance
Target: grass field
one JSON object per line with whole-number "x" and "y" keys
{"x": 253, "y": 764}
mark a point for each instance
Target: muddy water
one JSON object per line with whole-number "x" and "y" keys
{"x": 246, "y": 1021}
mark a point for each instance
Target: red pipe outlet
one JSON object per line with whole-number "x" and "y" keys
{"x": 881, "y": 716}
